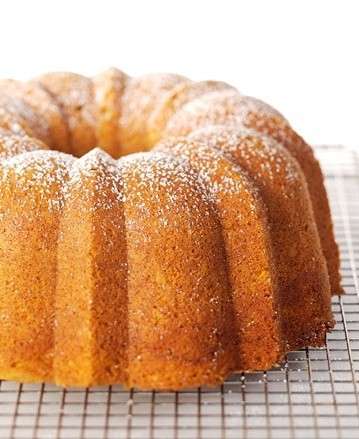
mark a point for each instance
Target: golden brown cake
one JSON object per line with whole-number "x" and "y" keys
{"x": 74, "y": 95}
{"x": 296, "y": 251}
{"x": 140, "y": 98}
{"x": 230, "y": 108}
{"x": 163, "y": 269}
{"x": 38, "y": 100}
{"x": 176, "y": 98}
{"x": 109, "y": 87}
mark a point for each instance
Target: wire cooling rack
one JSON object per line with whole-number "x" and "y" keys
{"x": 313, "y": 395}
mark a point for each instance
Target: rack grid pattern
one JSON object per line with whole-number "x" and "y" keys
{"x": 314, "y": 394}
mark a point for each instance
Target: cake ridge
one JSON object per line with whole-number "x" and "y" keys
{"x": 247, "y": 206}
{"x": 290, "y": 222}
{"x": 230, "y": 109}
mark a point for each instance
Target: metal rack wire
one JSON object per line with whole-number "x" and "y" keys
{"x": 313, "y": 395}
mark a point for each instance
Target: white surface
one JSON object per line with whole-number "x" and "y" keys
{"x": 301, "y": 56}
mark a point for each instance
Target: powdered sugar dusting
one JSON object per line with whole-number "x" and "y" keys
{"x": 176, "y": 98}
{"x": 251, "y": 104}
{"x": 165, "y": 186}
{"x": 12, "y": 144}
{"x": 216, "y": 108}
{"x": 13, "y": 123}
{"x": 44, "y": 110}
{"x": 201, "y": 104}
{"x": 212, "y": 108}
{"x": 217, "y": 175}
{"x": 20, "y": 110}
{"x": 93, "y": 175}
{"x": 41, "y": 175}
{"x": 253, "y": 151}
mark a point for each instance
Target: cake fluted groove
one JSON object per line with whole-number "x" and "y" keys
{"x": 302, "y": 271}
{"x": 177, "y": 280}
{"x": 231, "y": 108}
{"x": 251, "y": 273}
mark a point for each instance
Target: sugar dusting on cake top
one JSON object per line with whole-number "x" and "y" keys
{"x": 218, "y": 176}
{"x": 37, "y": 177}
{"x": 12, "y": 106}
{"x": 12, "y": 144}
{"x": 171, "y": 101}
{"x": 92, "y": 177}
{"x": 252, "y": 149}
{"x": 217, "y": 108}
{"x": 185, "y": 187}
{"x": 165, "y": 183}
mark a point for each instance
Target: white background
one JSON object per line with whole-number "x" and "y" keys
{"x": 300, "y": 56}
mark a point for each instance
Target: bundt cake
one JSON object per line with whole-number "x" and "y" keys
{"x": 164, "y": 269}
